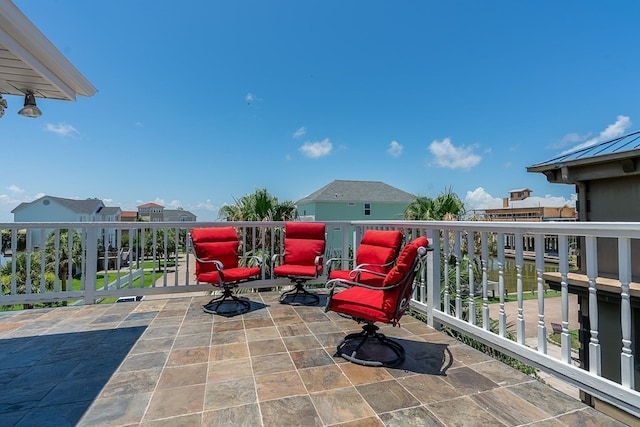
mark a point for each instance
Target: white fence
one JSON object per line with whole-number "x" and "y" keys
{"x": 469, "y": 260}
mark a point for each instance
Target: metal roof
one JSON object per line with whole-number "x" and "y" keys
{"x": 357, "y": 191}
{"x": 29, "y": 62}
{"x": 614, "y": 146}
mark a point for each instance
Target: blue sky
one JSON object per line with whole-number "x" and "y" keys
{"x": 201, "y": 102}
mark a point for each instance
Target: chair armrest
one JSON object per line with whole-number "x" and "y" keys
{"x": 255, "y": 258}
{"x": 332, "y": 261}
{"x": 218, "y": 264}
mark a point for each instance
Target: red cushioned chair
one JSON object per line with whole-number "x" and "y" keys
{"x": 302, "y": 260}
{"x": 375, "y": 257}
{"x": 371, "y": 304}
{"x": 217, "y": 263}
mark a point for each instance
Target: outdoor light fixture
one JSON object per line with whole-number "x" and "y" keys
{"x": 3, "y": 105}
{"x": 30, "y": 109}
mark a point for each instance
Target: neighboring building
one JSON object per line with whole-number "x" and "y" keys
{"x": 154, "y": 212}
{"x": 128, "y": 216}
{"x": 58, "y": 209}
{"x": 607, "y": 181}
{"x": 151, "y": 212}
{"x": 178, "y": 215}
{"x": 354, "y": 200}
{"x": 517, "y": 207}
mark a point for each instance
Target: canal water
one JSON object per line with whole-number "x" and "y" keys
{"x": 529, "y": 278}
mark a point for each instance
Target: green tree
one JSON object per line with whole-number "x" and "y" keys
{"x": 446, "y": 206}
{"x": 59, "y": 259}
{"x": 259, "y": 206}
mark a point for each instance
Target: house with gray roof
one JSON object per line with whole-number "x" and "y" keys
{"x": 59, "y": 209}
{"x": 342, "y": 200}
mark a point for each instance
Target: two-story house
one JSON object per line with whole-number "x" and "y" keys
{"x": 59, "y": 209}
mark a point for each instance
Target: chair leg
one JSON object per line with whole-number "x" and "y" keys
{"x": 299, "y": 296}
{"x": 370, "y": 348}
{"x": 227, "y": 299}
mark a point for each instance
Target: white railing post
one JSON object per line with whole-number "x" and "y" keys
{"x": 519, "y": 263}
{"x": 433, "y": 276}
{"x": 91, "y": 263}
{"x": 485, "y": 284}
{"x": 626, "y": 357}
{"x": 447, "y": 254}
{"x": 542, "y": 329}
{"x": 458, "y": 250}
{"x": 502, "y": 315}
{"x": 563, "y": 258}
{"x": 595, "y": 363}
{"x": 471, "y": 257}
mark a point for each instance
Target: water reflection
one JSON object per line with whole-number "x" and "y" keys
{"x": 529, "y": 278}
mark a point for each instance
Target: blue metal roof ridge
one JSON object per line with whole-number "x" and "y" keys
{"x": 611, "y": 146}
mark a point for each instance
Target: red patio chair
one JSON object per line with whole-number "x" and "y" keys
{"x": 370, "y": 304}
{"x": 375, "y": 257}
{"x": 217, "y": 263}
{"x": 302, "y": 260}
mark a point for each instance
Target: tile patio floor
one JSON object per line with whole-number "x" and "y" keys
{"x": 164, "y": 362}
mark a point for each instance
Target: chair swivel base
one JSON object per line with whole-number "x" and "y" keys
{"x": 370, "y": 348}
{"x": 299, "y": 296}
{"x": 227, "y": 305}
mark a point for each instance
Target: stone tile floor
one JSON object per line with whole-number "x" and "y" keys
{"x": 166, "y": 362}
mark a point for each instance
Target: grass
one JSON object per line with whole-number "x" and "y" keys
{"x": 575, "y": 343}
{"x": 525, "y": 296}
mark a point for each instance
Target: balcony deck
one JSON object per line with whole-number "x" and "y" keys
{"x": 165, "y": 362}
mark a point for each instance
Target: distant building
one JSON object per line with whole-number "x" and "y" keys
{"x": 518, "y": 207}
{"x": 178, "y": 215}
{"x": 151, "y": 212}
{"x": 128, "y": 216}
{"x": 58, "y": 209}
{"x": 354, "y": 200}
{"x": 154, "y": 212}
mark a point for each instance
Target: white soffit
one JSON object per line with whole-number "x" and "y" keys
{"x": 30, "y": 62}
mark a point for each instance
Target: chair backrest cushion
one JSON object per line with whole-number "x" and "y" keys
{"x": 379, "y": 247}
{"x": 401, "y": 272}
{"x": 303, "y": 242}
{"x": 219, "y": 244}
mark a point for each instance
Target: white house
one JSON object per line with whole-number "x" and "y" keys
{"x": 58, "y": 209}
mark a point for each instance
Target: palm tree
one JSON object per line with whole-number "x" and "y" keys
{"x": 259, "y": 206}
{"x": 421, "y": 208}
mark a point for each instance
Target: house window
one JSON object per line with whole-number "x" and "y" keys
{"x": 367, "y": 209}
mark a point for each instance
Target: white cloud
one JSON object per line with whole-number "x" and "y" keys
{"x": 250, "y": 98}
{"x": 614, "y": 130}
{"x": 395, "y": 149}
{"x": 481, "y": 199}
{"x": 300, "y": 132}
{"x": 449, "y": 156}
{"x": 62, "y": 129}
{"x": 318, "y": 149}
{"x": 15, "y": 189}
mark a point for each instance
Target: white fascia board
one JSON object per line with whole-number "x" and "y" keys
{"x": 31, "y": 46}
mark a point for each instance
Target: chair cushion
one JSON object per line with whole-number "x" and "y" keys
{"x": 218, "y": 243}
{"x": 401, "y": 271}
{"x": 229, "y": 275}
{"x": 303, "y": 242}
{"x": 379, "y": 247}
{"x": 361, "y": 303}
{"x": 292, "y": 270}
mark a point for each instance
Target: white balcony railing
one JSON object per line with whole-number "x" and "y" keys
{"x": 53, "y": 262}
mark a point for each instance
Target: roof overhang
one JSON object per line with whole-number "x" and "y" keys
{"x": 29, "y": 62}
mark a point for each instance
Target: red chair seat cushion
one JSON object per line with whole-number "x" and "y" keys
{"x": 361, "y": 303}
{"x": 289, "y": 270}
{"x": 229, "y": 275}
